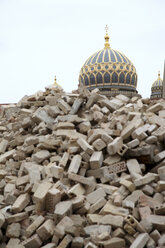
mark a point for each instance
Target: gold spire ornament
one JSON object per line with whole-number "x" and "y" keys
{"x": 55, "y": 82}
{"x": 159, "y": 75}
{"x": 106, "y": 45}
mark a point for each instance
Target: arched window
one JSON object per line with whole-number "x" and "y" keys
{"x": 99, "y": 78}
{"x": 121, "y": 78}
{"x": 114, "y": 78}
{"x": 92, "y": 79}
{"x": 86, "y": 80}
{"x": 128, "y": 79}
{"x": 133, "y": 80}
{"x": 106, "y": 78}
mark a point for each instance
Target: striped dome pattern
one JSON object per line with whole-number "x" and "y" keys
{"x": 107, "y": 55}
{"x": 109, "y": 70}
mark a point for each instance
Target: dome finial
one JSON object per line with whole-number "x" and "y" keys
{"x": 55, "y": 82}
{"x": 158, "y": 74}
{"x": 106, "y": 45}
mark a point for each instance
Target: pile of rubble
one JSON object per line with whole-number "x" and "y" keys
{"x": 81, "y": 170}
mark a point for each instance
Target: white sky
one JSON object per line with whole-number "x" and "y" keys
{"x": 43, "y": 38}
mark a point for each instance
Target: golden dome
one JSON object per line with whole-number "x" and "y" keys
{"x": 108, "y": 70}
{"x": 157, "y": 88}
{"x": 158, "y": 82}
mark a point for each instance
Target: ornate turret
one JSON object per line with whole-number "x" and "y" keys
{"x": 110, "y": 71}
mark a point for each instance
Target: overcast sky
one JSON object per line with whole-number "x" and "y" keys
{"x": 43, "y": 38}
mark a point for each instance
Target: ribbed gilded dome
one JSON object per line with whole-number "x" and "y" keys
{"x": 157, "y": 88}
{"x": 109, "y": 70}
{"x": 158, "y": 82}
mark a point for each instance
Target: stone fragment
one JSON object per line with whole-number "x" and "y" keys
{"x": 158, "y": 221}
{"x": 77, "y": 190}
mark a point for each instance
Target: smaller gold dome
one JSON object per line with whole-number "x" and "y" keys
{"x": 158, "y": 82}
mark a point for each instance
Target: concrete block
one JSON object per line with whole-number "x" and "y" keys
{"x": 161, "y": 172}
{"x": 63, "y": 208}
{"x": 13, "y": 230}
{"x": 160, "y": 156}
{"x": 155, "y": 108}
{"x": 160, "y": 186}
{"x": 99, "y": 144}
{"x": 3, "y": 145}
{"x": 155, "y": 235}
{"x": 158, "y": 221}
{"x": 32, "y": 242}
{"x": 46, "y": 230}
{"x": 97, "y": 205}
{"x": 33, "y": 227}
{"x": 96, "y": 160}
{"x": 53, "y": 197}
{"x": 122, "y": 150}
{"x": 109, "y": 208}
{"x": 80, "y": 179}
{"x": 64, "y": 160}
{"x": 114, "y": 243}
{"x": 65, "y": 242}
{"x": 64, "y": 106}
{"x": 148, "y": 178}
{"x": 106, "y": 138}
{"x": 114, "y": 221}
{"x": 57, "y": 171}
{"x": 133, "y": 143}
{"x": 17, "y": 217}
{"x": 75, "y": 164}
{"x": 95, "y": 195}
{"x": 2, "y": 219}
{"x": 76, "y": 190}
{"x": 77, "y": 242}
{"x": 21, "y": 202}
{"x": 133, "y": 166}
{"x": 40, "y": 156}
{"x": 115, "y": 146}
{"x": 41, "y": 191}
{"x": 85, "y": 146}
{"x": 129, "y": 185}
{"x": 140, "y": 241}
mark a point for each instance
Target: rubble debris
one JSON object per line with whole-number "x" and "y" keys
{"x": 81, "y": 170}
